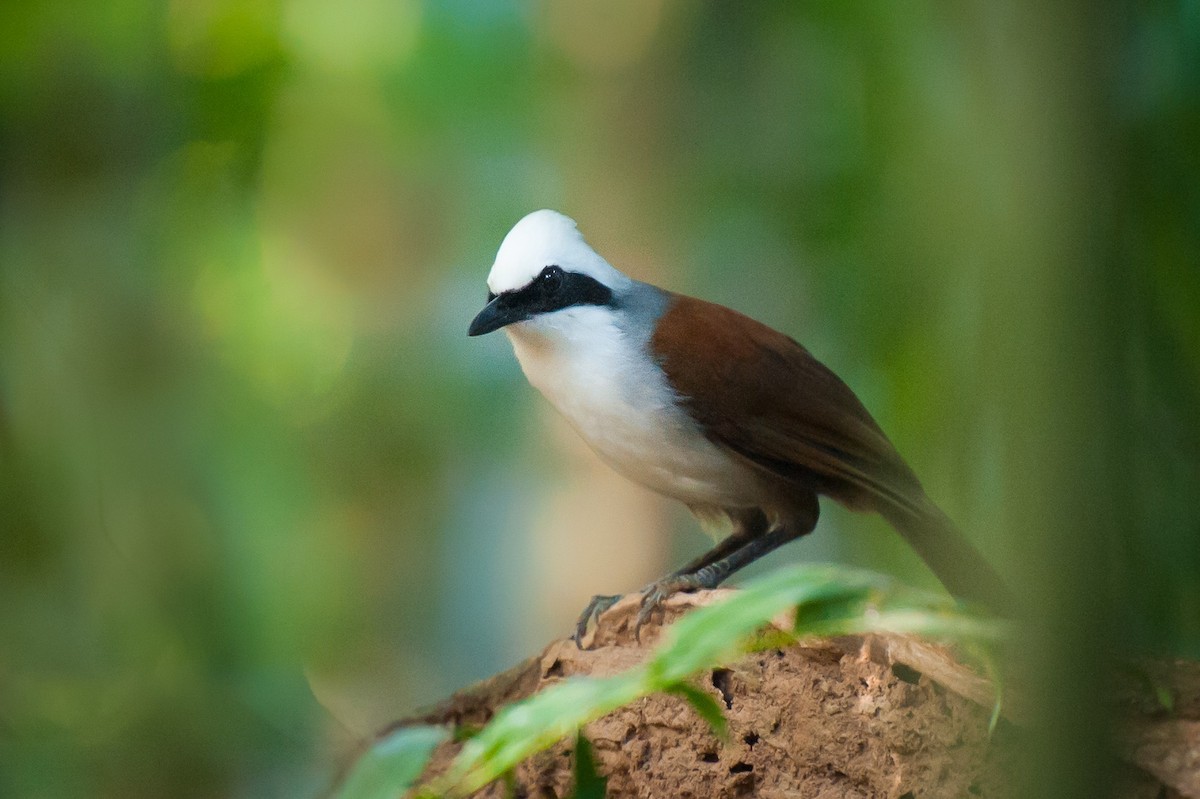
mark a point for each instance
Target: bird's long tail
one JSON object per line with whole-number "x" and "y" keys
{"x": 958, "y": 565}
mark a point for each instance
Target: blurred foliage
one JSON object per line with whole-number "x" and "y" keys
{"x": 259, "y": 493}
{"x": 589, "y": 783}
{"x": 393, "y": 764}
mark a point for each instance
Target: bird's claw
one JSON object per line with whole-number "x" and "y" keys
{"x": 599, "y": 604}
{"x": 653, "y": 596}
{"x": 656, "y": 593}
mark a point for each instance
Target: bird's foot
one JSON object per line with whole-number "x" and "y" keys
{"x": 599, "y": 604}
{"x": 656, "y": 593}
{"x": 653, "y": 596}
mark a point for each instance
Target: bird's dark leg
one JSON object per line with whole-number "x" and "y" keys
{"x": 712, "y": 574}
{"x": 748, "y": 525}
{"x": 715, "y": 571}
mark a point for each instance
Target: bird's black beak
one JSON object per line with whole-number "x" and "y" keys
{"x": 496, "y": 314}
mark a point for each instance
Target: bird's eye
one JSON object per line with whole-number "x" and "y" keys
{"x": 551, "y": 279}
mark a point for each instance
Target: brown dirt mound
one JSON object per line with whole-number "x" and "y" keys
{"x": 847, "y": 717}
{"x": 864, "y": 716}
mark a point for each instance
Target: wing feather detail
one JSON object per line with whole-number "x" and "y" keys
{"x": 764, "y": 397}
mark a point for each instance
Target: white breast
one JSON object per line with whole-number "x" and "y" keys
{"x": 620, "y": 403}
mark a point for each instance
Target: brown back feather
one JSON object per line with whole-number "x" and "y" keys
{"x": 764, "y": 397}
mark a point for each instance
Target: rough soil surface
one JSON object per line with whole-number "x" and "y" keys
{"x": 870, "y": 716}
{"x": 850, "y": 717}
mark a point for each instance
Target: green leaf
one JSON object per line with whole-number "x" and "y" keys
{"x": 535, "y": 723}
{"x": 705, "y": 706}
{"x": 929, "y": 623}
{"x": 833, "y": 609}
{"x": 719, "y": 632}
{"x": 588, "y": 782}
{"x": 1162, "y": 693}
{"x": 1164, "y": 696}
{"x": 992, "y": 670}
{"x": 392, "y": 764}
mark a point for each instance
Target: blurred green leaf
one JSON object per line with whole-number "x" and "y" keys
{"x": 392, "y": 764}
{"x": 705, "y": 706}
{"x": 716, "y": 633}
{"x": 1163, "y": 696}
{"x": 589, "y": 784}
{"x": 533, "y": 724}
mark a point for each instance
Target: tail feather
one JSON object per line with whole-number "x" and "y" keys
{"x": 959, "y": 566}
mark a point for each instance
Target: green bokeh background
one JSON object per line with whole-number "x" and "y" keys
{"x": 260, "y": 493}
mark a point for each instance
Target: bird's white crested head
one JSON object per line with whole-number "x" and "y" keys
{"x": 542, "y": 239}
{"x": 547, "y": 281}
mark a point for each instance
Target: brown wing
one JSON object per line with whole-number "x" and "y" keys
{"x": 761, "y": 395}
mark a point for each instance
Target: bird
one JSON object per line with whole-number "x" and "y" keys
{"x": 705, "y": 405}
